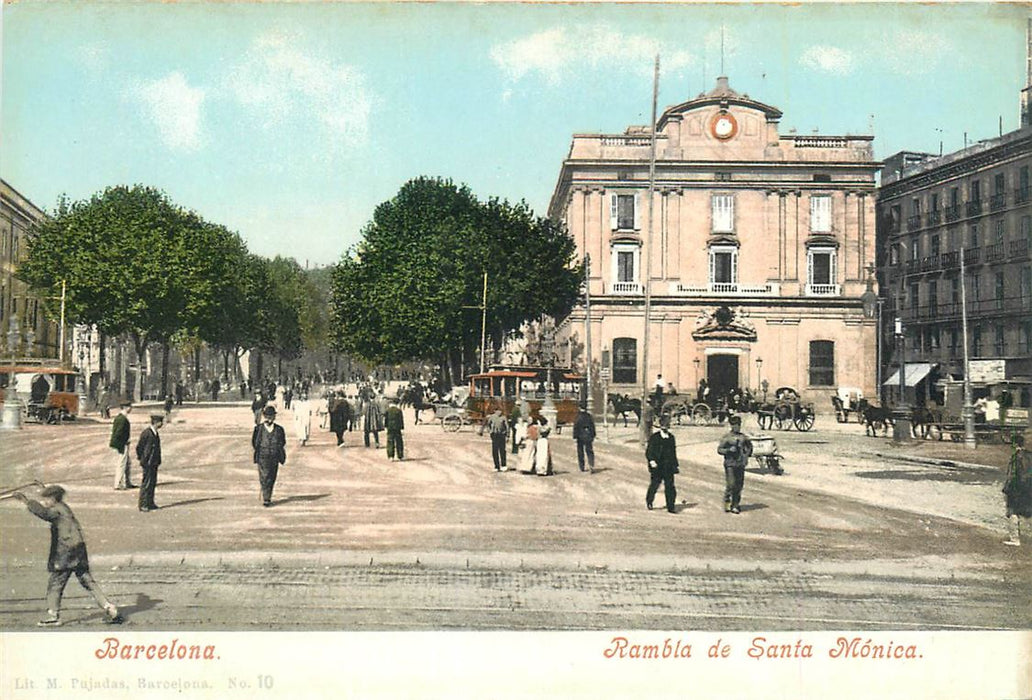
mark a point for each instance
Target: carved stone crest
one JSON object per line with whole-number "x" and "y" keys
{"x": 724, "y": 324}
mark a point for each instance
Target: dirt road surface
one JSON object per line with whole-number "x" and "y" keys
{"x": 851, "y": 536}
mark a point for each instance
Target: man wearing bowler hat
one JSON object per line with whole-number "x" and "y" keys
{"x": 661, "y": 454}
{"x": 148, "y": 452}
{"x": 269, "y": 441}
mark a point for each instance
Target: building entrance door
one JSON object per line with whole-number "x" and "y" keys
{"x": 722, "y": 373}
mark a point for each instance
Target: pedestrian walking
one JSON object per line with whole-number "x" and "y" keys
{"x": 514, "y": 422}
{"x": 531, "y": 433}
{"x": 498, "y": 428}
{"x": 394, "y": 422}
{"x": 270, "y": 451}
{"x": 120, "y": 428}
{"x": 67, "y": 554}
{"x": 103, "y": 399}
{"x": 736, "y": 448}
{"x": 302, "y": 411}
{"x": 148, "y": 453}
{"x": 584, "y": 434}
{"x": 340, "y": 416}
{"x": 256, "y": 408}
{"x": 179, "y": 393}
{"x": 216, "y": 387}
{"x": 1017, "y": 490}
{"x": 543, "y": 453}
{"x": 169, "y": 402}
{"x": 661, "y": 454}
{"x": 372, "y": 420}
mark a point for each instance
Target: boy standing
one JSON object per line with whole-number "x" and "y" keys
{"x": 67, "y": 554}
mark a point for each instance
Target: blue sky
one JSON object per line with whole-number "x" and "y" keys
{"x": 289, "y": 123}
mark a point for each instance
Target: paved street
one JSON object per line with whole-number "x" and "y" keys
{"x": 851, "y": 537}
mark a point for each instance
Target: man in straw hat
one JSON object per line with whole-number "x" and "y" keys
{"x": 736, "y": 447}
{"x": 269, "y": 441}
{"x": 67, "y": 554}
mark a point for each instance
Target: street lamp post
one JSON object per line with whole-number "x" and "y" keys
{"x": 759, "y": 370}
{"x": 901, "y": 414}
{"x": 871, "y": 306}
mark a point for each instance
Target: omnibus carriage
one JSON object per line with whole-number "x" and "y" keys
{"x": 503, "y": 387}
{"x": 49, "y": 394}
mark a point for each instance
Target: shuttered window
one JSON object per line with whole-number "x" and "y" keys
{"x": 822, "y": 363}
{"x": 820, "y": 213}
{"x": 723, "y": 213}
{"x": 623, "y": 212}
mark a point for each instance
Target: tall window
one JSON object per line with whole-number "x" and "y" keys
{"x": 954, "y": 197}
{"x": 915, "y": 248}
{"x": 723, "y": 213}
{"x": 822, "y": 363}
{"x": 976, "y": 190}
{"x": 1025, "y": 286}
{"x": 625, "y": 361}
{"x": 955, "y": 292}
{"x": 1000, "y": 232}
{"x": 724, "y": 265}
{"x": 1026, "y": 337}
{"x": 820, "y": 213}
{"x": 1026, "y": 229}
{"x": 973, "y": 236}
{"x": 933, "y": 298}
{"x": 935, "y": 245}
{"x": 999, "y": 183}
{"x": 623, "y": 212}
{"x": 915, "y": 295}
{"x": 626, "y": 263}
{"x": 976, "y": 341}
{"x": 821, "y": 270}
{"x": 935, "y": 202}
{"x": 999, "y": 290}
{"x": 1000, "y": 345}
{"x": 954, "y": 340}
{"x": 976, "y": 286}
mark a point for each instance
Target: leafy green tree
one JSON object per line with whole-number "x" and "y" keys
{"x": 408, "y": 290}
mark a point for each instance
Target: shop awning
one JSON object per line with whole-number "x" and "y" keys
{"x": 916, "y": 371}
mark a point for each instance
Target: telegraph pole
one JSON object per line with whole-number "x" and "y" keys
{"x": 483, "y": 322}
{"x": 587, "y": 332}
{"x": 646, "y": 425}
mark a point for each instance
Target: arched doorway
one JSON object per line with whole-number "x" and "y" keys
{"x": 722, "y": 374}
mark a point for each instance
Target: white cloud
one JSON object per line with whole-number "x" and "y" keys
{"x": 829, "y": 59}
{"x": 554, "y": 53}
{"x": 175, "y": 109}
{"x": 282, "y": 83}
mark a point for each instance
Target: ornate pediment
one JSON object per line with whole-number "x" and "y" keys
{"x": 724, "y": 324}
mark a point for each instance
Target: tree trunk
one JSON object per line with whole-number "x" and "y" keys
{"x": 102, "y": 366}
{"x": 164, "y": 368}
{"x": 225, "y": 365}
{"x": 141, "y": 346}
{"x": 197, "y": 363}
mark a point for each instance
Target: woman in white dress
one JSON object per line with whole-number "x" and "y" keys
{"x": 530, "y": 438}
{"x": 543, "y": 454}
{"x": 302, "y": 411}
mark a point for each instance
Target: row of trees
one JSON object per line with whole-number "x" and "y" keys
{"x": 411, "y": 288}
{"x": 135, "y": 263}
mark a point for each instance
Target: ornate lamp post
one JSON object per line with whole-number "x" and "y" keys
{"x": 548, "y": 409}
{"x": 12, "y": 403}
{"x": 759, "y": 370}
{"x": 872, "y": 307}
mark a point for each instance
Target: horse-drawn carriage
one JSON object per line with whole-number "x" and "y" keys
{"x": 785, "y": 411}
{"x": 50, "y": 392}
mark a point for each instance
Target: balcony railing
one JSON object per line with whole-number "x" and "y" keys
{"x": 913, "y": 265}
{"x": 1021, "y": 195}
{"x": 1019, "y": 249}
{"x": 994, "y": 252}
{"x": 930, "y": 262}
{"x": 913, "y": 222}
{"x": 997, "y": 201}
{"x": 951, "y": 259}
{"x": 934, "y": 217}
{"x": 952, "y": 213}
{"x": 626, "y": 288}
{"x": 972, "y": 256}
{"x": 823, "y": 290}
{"x": 725, "y": 288}
{"x": 973, "y": 208}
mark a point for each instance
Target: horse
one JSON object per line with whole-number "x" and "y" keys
{"x": 874, "y": 416}
{"x": 923, "y": 420}
{"x": 622, "y": 404}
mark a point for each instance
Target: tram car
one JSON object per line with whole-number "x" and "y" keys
{"x": 504, "y": 387}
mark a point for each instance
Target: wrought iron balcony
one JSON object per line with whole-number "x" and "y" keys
{"x": 930, "y": 262}
{"x": 952, "y": 213}
{"x": 950, "y": 259}
{"x": 1019, "y": 250}
{"x": 913, "y": 222}
{"x": 997, "y": 201}
{"x": 934, "y": 217}
{"x": 972, "y": 256}
{"x": 913, "y": 265}
{"x": 994, "y": 252}
{"x": 973, "y": 208}
{"x": 1021, "y": 195}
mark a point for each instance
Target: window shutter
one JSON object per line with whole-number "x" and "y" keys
{"x": 712, "y": 266}
{"x": 612, "y": 212}
{"x": 734, "y": 267}
{"x": 637, "y": 209}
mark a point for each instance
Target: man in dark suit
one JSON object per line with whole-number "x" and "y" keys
{"x": 394, "y": 422}
{"x": 661, "y": 454}
{"x": 67, "y": 554}
{"x": 584, "y": 434}
{"x": 120, "y": 443}
{"x": 269, "y": 441}
{"x": 148, "y": 452}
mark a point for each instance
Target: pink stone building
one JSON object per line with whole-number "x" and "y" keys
{"x": 760, "y": 249}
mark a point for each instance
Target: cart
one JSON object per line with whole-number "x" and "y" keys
{"x": 765, "y": 451}
{"x": 452, "y": 418}
{"x": 787, "y": 411}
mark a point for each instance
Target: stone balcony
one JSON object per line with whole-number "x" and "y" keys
{"x": 823, "y": 290}
{"x": 717, "y": 289}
